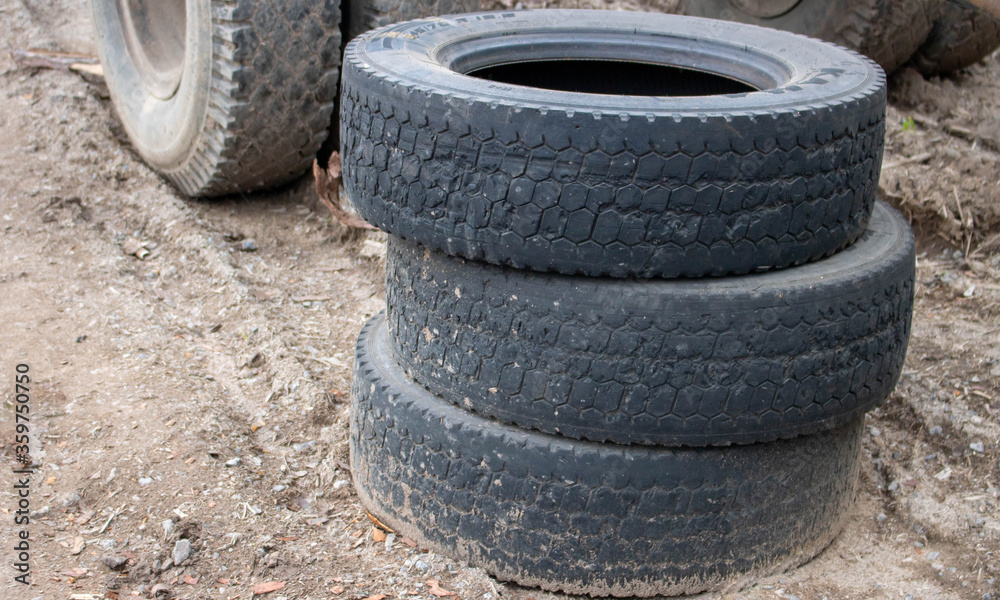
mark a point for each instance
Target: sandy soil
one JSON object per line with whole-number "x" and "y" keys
{"x": 200, "y": 392}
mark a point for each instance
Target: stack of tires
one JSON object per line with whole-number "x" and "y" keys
{"x": 640, "y": 293}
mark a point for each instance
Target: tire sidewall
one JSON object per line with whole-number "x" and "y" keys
{"x": 164, "y": 132}
{"x": 409, "y": 57}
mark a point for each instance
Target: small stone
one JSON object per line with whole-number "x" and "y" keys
{"x": 341, "y": 483}
{"x": 41, "y": 513}
{"x": 182, "y": 550}
{"x": 233, "y": 462}
{"x": 875, "y": 431}
{"x": 304, "y": 447}
{"x": 115, "y": 563}
{"x": 421, "y": 565}
{"x": 249, "y": 245}
{"x": 977, "y": 447}
{"x": 168, "y": 526}
{"x": 279, "y": 488}
{"x": 932, "y": 556}
{"x": 937, "y": 566}
{"x": 936, "y": 430}
{"x": 881, "y": 517}
{"x": 144, "y": 481}
{"x": 71, "y": 501}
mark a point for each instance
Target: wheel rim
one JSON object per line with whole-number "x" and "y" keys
{"x": 765, "y": 9}
{"x": 155, "y": 32}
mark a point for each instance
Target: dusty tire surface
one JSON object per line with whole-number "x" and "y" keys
{"x": 582, "y": 517}
{"x": 364, "y": 15}
{"x": 888, "y": 31}
{"x": 962, "y": 36}
{"x": 597, "y": 184}
{"x": 222, "y": 96}
{"x": 695, "y": 362}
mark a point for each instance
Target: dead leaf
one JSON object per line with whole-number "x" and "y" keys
{"x": 378, "y": 535}
{"x": 190, "y": 580}
{"x": 328, "y": 190}
{"x": 437, "y": 590}
{"x": 78, "y": 545}
{"x": 223, "y": 580}
{"x": 377, "y": 597}
{"x": 337, "y": 589}
{"x": 85, "y": 516}
{"x": 379, "y": 524}
{"x": 287, "y": 539}
{"x": 50, "y": 480}
{"x": 408, "y": 542}
{"x": 267, "y": 587}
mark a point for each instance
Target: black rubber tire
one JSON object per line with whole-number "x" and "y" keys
{"x": 694, "y": 362}
{"x": 247, "y": 99}
{"x": 598, "y": 184}
{"x": 365, "y": 15}
{"x": 582, "y": 517}
{"x": 962, "y": 36}
{"x": 887, "y": 31}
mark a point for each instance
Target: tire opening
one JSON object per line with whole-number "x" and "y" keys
{"x": 155, "y": 32}
{"x": 616, "y": 78}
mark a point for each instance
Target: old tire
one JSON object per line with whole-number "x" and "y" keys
{"x": 887, "y": 31}
{"x": 695, "y": 362}
{"x": 601, "y": 184}
{"x": 962, "y": 36}
{"x": 222, "y": 97}
{"x": 364, "y": 15}
{"x": 582, "y": 517}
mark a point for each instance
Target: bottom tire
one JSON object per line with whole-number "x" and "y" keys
{"x": 585, "y": 517}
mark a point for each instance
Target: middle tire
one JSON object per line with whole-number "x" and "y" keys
{"x": 664, "y": 145}
{"x": 693, "y": 362}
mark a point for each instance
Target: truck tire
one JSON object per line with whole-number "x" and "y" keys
{"x": 887, "y": 31}
{"x": 962, "y": 36}
{"x": 583, "y": 517}
{"x": 693, "y": 362}
{"x": 222, "y": 96}
{"x": 724, "y": 182}
{"x": 364, "y": 15}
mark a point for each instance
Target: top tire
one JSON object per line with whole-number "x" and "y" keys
{"x": 766, "y": 154}
{"x": 222, "y": 96}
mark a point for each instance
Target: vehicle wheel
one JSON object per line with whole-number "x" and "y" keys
{"x": 694, "y": 362}
{"x": 364, "y": 15}
{"x": 583, "y": 517}
{"x": 888, "y": 31}
{"x": 962, "y": 36}
{"x": 222, "y": 96}
{"x": 718, "y": 179}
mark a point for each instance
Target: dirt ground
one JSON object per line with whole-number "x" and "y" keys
{"x": 200, "y": 392}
